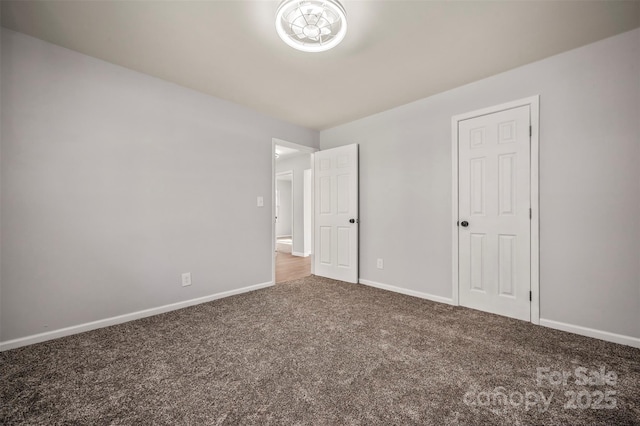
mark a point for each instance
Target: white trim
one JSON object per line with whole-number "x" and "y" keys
{"x": 297, "y": 253}
{"x": 454, "y": 212}
{"x": 273, "y": 211}
{"x": 414, "y": 293}
{"x": 591, "y": 332}
{"x": 534, "y": 103}
{"x": 80, "y": 328}
{"x": 534, "y": 107}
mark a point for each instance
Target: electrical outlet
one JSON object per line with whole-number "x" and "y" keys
{"x": 380, "y": 264}
{"x": 186, "y": 279}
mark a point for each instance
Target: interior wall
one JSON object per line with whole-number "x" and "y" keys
{"x": 1, "y": 34}
{"x": 114, "y": 183}
{"x": 285, "y": 209}
{"x": 297, "y": 164}
{"x": 589, "y": 183}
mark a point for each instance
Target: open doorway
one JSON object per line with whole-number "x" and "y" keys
{"x": 293, "y": 211}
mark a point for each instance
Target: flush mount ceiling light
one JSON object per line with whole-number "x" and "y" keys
{"x": 311, "y": 25}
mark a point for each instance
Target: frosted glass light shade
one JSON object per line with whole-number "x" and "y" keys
{"x": 311, "y": 25}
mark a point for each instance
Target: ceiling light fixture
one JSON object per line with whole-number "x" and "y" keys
{"x": 311, "y": 25}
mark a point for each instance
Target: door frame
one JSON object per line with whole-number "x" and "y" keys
{"x": 534, "y": 107}
{"x": 307, "y": 150}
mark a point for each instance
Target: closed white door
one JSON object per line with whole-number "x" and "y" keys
{"x": 336, "y": 213}
{"x": 494, "y": 213}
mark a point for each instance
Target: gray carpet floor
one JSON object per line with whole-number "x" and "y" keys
{"x": 317, "y": 351}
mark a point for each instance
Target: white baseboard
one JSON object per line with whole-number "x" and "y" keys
{"x": 590, "y": 332}
{"x": 408, "y": 292}
{"x": 297, "y": 253}
{"x": 80, "y": 328}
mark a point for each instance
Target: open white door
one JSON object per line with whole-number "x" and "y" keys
{"x": 336, "y": 213}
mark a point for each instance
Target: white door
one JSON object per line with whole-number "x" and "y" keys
{"x": 307, "y": 213}
{"x": 336, "y": 213}
{"x": 494, "y": 213}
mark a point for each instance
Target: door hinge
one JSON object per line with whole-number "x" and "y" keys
{"x": 530, "y": 131}
{"x": 530, "y": 213}
{"x": 530, "y": 297}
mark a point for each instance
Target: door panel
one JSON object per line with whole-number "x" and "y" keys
{"x": 325, "y": 194}
{"x": 477, "y": 250}
{"x": 336, "y": 242}
{"x": 506, "y": 262}
{"x": 494, "y": 198}
{"x": 507, "y": 184}
{"x": 325, "y": 246}
{"x": 477, "y": 186}
{"x": 343, "y": 247}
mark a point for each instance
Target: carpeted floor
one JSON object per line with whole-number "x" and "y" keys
{"x": 317, "y": 351}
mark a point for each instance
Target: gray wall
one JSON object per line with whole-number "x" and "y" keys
{"x": 589, "y": 183}
{"x": 297, "y": 164}
{"x": 114, "y": 183}
{"x": 285, "y": 210}
{"x": 1, "y": 42}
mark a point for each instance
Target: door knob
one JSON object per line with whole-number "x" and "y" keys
{"x": 352, "y": 221}
{"x": 464, "y": 223}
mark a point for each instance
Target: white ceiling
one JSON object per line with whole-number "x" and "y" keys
{"x": 395, "y": 52}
